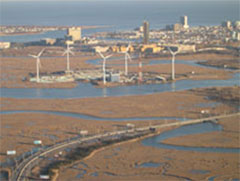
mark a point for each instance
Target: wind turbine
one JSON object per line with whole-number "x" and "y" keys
{"x": 104, "y": 65}
{"x": 126, "y": 59}
{"x": 67, "y": 51}
{"x": 173, "y": 62}
{"x": 38, "y": 63}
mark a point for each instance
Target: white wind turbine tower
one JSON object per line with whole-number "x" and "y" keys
{"x": 126, "y": 59}
{"x": 67, "y": 51}
{"x": 38, "y": 63}
{"x": 173, "y": 62}
{"x": 104, "y": 65}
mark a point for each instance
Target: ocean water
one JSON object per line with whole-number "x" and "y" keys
{"x": 120, "y": 14}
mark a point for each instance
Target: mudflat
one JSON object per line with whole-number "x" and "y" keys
{"x": 14, "y": 70}
{"x": 124, "y": 161}
{"x": 24, "y": 128}
{"x": 186, "y": 104}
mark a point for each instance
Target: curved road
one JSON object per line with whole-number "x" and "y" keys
{"x": 21, "y": 169}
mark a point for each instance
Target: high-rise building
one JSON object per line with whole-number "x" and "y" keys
{"x": 227, "y": 24}
{"x": 145, "y": 32}
{"x": 184, "y": 22}
{"x": 74, "y": 33}
{"x": 237, "y": 25}
{"x": 177, "y": 27}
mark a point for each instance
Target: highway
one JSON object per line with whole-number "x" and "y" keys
{"x": 19, "y": 172}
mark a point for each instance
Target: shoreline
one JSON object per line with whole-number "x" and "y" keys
{"x": 59, "y": 29}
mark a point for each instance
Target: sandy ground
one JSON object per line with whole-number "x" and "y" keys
{"x": 15, "y": 69}
{"x": 118, "y": 162}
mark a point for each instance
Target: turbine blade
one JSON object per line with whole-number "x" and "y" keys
{"x": 130, "y": 58}
{"x": 41, "y": 52}
{"x": 108, "y": 56}
{"x": 71, "y": 52}
{"x": 64, "y": 52}
{"x": 100, "y": 54}
{"x": 34, "y": 56}
{"x": 170, "y": 50}
{"x": 128, "y": 47}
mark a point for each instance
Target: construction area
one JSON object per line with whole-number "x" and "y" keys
{"x": 95, "y": 76}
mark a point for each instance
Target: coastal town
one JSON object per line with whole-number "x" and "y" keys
{"x": 222, "y": 39}
{"x": 138, "y": 104}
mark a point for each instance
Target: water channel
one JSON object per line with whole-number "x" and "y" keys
{"x": 83, "y": 90}
{"x": 87, "y": 90}
{"x": 89, "y": 117}
{"x": 156, "y": 141}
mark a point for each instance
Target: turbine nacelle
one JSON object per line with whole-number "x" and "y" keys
{"x": 68, "y": 51}
{"x": 103, "y": 57}
{"x": 37, "y": 56}
{"x": 173, "y": 52}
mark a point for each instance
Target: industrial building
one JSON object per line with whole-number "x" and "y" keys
{"x": 114, "y": 77}
{"x": 145, "y": 32}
